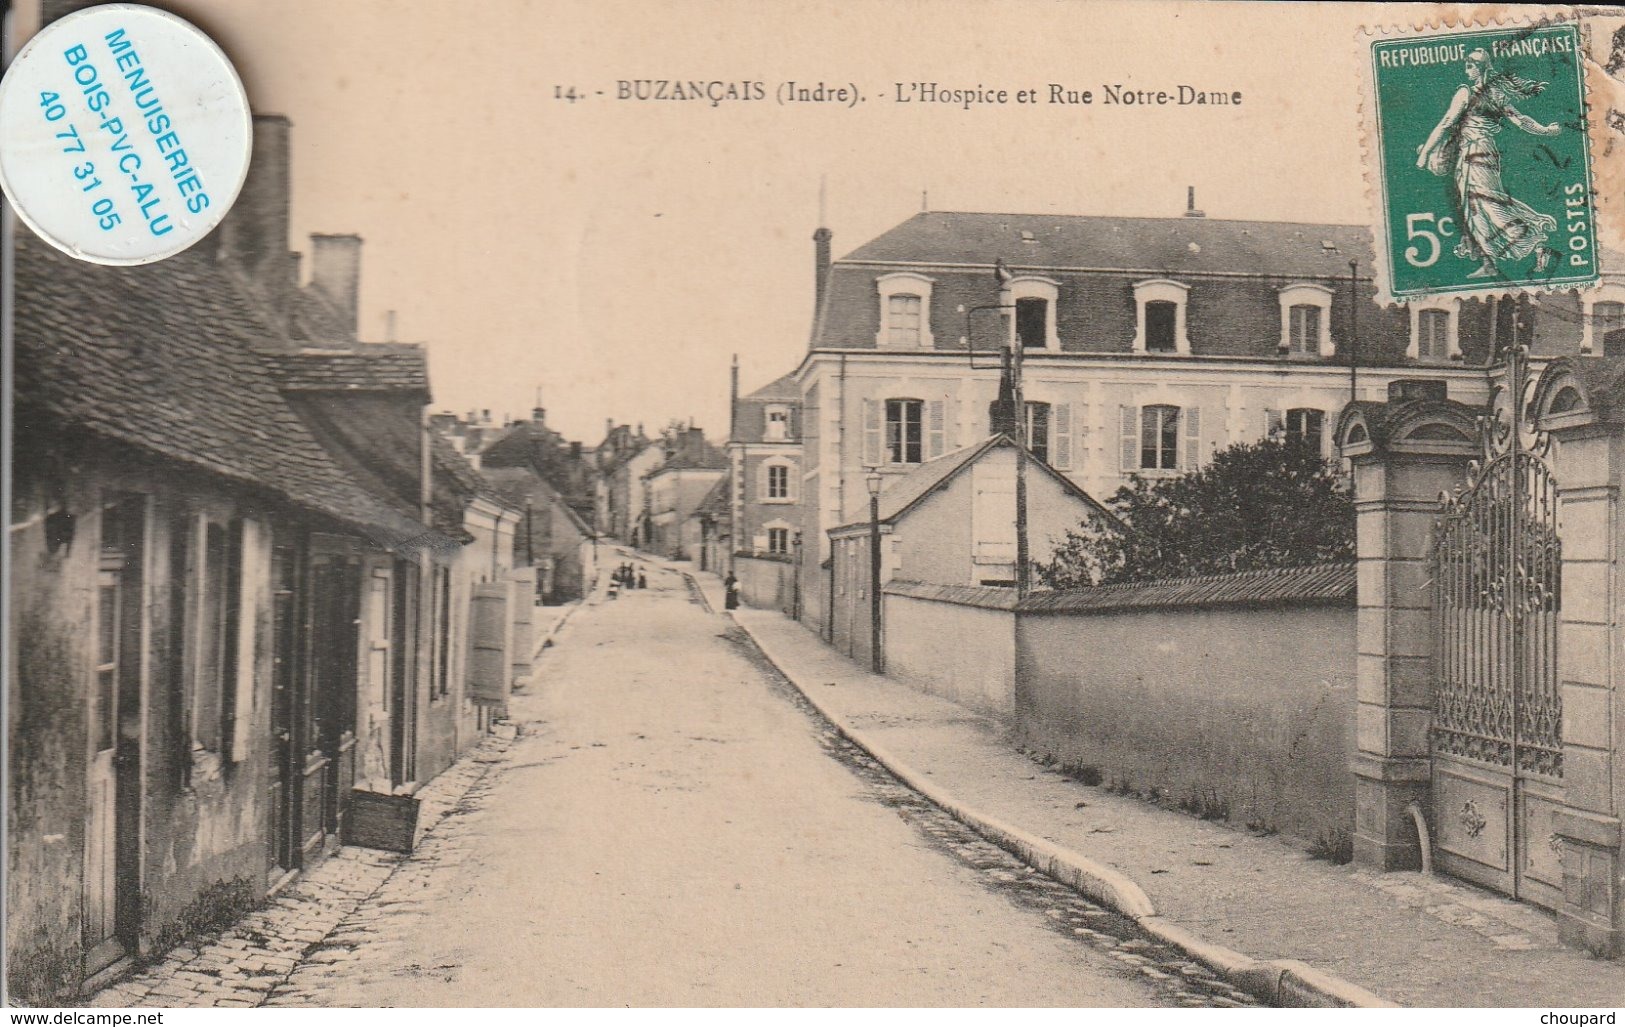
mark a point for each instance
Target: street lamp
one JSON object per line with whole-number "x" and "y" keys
{"x": 795, "y": 596}
{"x": 873, "y": 479}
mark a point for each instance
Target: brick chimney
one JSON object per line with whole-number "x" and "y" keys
{"x": 821, "y": 239}
{"x": 1190, "y": 203}
{"x": 253, "y": 238}
{"x": 335, "y": 269}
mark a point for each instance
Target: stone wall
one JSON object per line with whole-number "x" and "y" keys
{"x": 1238, "y": 713}
{"x": 958, "y": 643}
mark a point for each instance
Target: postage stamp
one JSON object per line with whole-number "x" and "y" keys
{"x": 1482, "y": 168}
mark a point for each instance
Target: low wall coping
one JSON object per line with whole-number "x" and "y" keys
{"x": 981, "y": 596}
{"x": 1330, "y": 584}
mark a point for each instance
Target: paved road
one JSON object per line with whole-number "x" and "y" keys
{"x": 673, "y": 829}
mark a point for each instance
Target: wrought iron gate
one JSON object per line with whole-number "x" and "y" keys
{"x": 1497, "y": 717}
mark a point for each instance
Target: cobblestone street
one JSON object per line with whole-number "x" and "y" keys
{"x": 673, "y": 826}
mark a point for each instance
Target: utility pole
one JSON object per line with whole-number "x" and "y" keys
{"x": 1018, "y": 421}
{"x": 1023, "y": 564}
{"x": 1354, "y": 331}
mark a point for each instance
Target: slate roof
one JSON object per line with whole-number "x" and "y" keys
{"x": 1321, "y": 584}
{"x": 718, "y": 503}
{"x": 693, "y": 454}
{"x": 365, "y": 367}
{"x": 159, "y": 357}
{"x": 782, "y": 388}
{"x": 1177, "y": 245}
{"x": 904, "y": 493}
{"x": 516, "y": 485}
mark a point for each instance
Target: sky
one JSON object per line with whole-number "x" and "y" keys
{"x": 617, "y": 253}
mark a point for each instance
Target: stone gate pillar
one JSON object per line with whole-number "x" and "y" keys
{"x": 1579, "y": 402}
{"x": 1404, "y": 455}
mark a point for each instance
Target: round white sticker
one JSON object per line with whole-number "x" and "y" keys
{"x": 124, "y": 134}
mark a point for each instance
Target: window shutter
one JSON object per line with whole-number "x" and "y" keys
{"x": 936, "y": 429}
{"x": 792, "y": 482}
{"x": 1131, "y": 440}
{"x": 1080, "y": 422}
{"x": 871, "y": 433}
{"x": 1274, "y": 422}
{"x": 1193, "y": 439}
{"x": 1060, "y": 447}
{"x": 764, "y": 482}
{"x": 249, "y": 577}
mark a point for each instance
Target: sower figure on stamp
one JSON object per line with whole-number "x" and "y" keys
{"x": 1495, "y": 226}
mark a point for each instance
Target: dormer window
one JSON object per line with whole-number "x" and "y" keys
{"x": 1306, "y": 320}
{"x": 778, "y": 424}
{"x": 1034, "y": 321}
{"x": 903, "y": 320}
{"x": 1160, "y": 317}
{"x": 1433, "y": 332}
{"x": 1161, "y": 327}
{"x": 1603, "y": 320}
{"x": 905, "y": 311}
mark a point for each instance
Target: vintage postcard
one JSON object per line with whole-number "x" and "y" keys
{"x": 913, "y": 503}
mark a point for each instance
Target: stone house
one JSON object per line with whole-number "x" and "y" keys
{"x": 675, "y": 488}
{"x": 216, "y": 568}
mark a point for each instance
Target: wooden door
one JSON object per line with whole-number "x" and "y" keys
{"x": 101, "y": 825}
{"x": 286, "y": 700}
{"x": 111, "y": 902}
{"x": 335, "y": 633}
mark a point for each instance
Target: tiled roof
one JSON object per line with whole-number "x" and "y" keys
{"x": 984, "y": 597}
{"x": 372, "y": 367}
{"x": 1178, "y": 245}
{"x": 160, "y": 357}
{"x": 1321, "y": 584}
{"x": 903, "y": 493}
{"x": 317, "y": 320}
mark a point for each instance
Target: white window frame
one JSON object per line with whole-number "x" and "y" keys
{"x": 789, "y": 469}
{"x": 904, "y": 283}
{"x": 1452, "y": 307}
{"x": 1155, "y": 290}
{"x": 1034, "y": 287}
{"x": 1307, "y": 294}
{"x": 1607, "y": 292}
{"x": 768, "y": 423}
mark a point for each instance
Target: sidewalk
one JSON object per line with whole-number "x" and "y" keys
{"x": 244, "y": 964}
{"x": 1409, "y": 939}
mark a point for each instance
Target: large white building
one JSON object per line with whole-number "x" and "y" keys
{"x": 1148, "y": 344}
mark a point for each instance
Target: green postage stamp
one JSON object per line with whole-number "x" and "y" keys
{"x": 1481, "y": 161}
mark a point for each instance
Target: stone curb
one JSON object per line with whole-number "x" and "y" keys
{"x": 1279, "y": 982}
{"x": 558, "y": 626}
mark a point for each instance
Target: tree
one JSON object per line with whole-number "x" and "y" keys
{"x": 1256, "y": 505}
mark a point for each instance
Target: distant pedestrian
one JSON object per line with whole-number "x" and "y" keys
{"x": 643, "y": 582}
{"x": 731, "y": 598}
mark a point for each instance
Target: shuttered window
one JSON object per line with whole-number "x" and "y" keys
{"x": 1432, "y": 334}
{"x": 1307, "y": 426}
{"x": 1061, "y": 451}
{"x": 905, "y": 431}
{"x": 903, "y": 320}
{"x": 1160, "y": 437}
